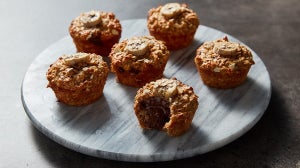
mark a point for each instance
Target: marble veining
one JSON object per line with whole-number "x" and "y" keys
{"x": 109, "y": 129}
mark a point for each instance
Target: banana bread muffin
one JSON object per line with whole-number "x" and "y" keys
{"x": 139, "y": 60}
{"x": 174, "y": 24}
{"x": 166, "y": 104}
{"x": 223, "y": 64}
{"x": 78, "y": 79}
{"x": 95, "y": 32}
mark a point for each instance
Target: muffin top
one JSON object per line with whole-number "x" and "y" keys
{"x": 173, "y": 18}
{"x": 223, "y": 56}
{"x": 179, "y": 96}
{"x": 95, "y": 24}
{"x": 77, "y": 71}
{"x": 139, "y": 53}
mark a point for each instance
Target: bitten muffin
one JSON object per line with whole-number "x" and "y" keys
{"x": 166, "y": 104}
{"x": 223, "y": 64}
{"x": 78, "y": 79}
{"x": 95, "y": 32}
{"x": 174, "y": 24}
{"x": 139, "y": 60}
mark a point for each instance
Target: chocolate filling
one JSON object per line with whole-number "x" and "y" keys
{"x": 156, "y": 112}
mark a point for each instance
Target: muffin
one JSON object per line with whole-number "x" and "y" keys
{"x": 223, "y": 64}
{"x": 78, "y": 79}
{"x": 174, "y": 24}
{"x": 95, "y": 32}
{"x": 167, "y": 105}
{"x": 138, "y": 60}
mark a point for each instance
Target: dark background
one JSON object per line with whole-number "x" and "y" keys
{"x": 271, "y": 28}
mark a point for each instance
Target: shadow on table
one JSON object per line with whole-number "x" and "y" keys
{"x": 260, "y": 147}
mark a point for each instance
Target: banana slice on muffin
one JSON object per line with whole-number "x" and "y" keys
{"x": 137, "y": 47}
{"x": 91, "y": 18}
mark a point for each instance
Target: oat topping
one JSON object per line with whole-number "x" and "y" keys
{"x": 221, "y": 55}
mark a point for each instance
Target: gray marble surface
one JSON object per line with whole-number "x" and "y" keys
{"x": 108, "y": 128}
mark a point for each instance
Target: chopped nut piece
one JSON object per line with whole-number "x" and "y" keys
{"x": 171, "y": 90}
{"x": 115, "y": 32}
{"x": 217, "y": 69}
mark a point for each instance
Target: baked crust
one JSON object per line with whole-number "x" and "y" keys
{"x": 223, "y": 71}
{"x": 137, "y": 70}
{"x": 178, "y": 101}
{"x": 78, "y": 79}
{"x": 178, "y": 31}
{"x": 99, "y": 38}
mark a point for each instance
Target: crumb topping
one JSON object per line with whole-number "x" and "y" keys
{"x": 172, "y": 17}
{"x": 221, "y": 55}
{"x": 77, "y": 70}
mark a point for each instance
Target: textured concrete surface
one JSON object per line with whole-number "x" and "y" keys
{"x": 271, "y": 28}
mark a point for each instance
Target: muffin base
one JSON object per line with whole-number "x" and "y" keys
{"x": 223, "y": 80}
{"x": 102, "y": 48}
{"x": 81, "y": 95}
{"x": 138, "y": 79}
{"x": 78, "y": 97}
{"x": 174, "y": 41}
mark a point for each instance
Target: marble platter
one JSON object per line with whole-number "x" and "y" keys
{"x": 109, "y": 129}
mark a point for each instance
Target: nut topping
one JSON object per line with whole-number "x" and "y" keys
{"x": 172, "y": 90}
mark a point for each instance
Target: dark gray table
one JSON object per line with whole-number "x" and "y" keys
{"x": 271, "y": 28}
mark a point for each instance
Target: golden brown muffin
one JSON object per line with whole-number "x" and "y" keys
{"x": 78, "y": 79}
{"x": 139, "y": 60}
{"x": 174, "y": 24}
{"x": 223, "y": 64}
{"x": 95, "y": 32}
{"x": 166, "y": 104}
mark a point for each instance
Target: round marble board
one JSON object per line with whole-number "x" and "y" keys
{"x": 109, "y": 129}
